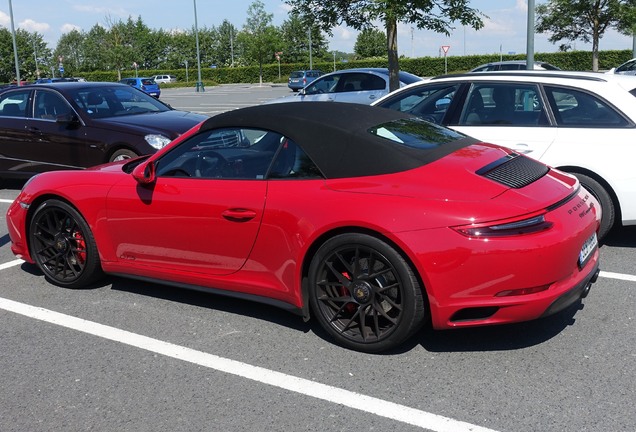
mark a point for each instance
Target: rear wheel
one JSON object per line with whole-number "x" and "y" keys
{"x": 604, "y": 199}
{"x": 364, "y": 294}
{"x": 62, "y": 245}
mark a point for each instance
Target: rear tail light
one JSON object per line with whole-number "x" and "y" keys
{"x": 506, "y": 228}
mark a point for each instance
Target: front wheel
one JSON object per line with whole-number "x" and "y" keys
{"x": 63, "y": 246}
{"x": 605, "y": 200}
{"x": 364, "y": 294}
{"x": 122, "y": 154}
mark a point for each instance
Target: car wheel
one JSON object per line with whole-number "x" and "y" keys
{"x": 123, "y": 154}
{"x": 604, "y": 198}
{"x": 62, "y": 245}
{"x": 364, "y": 294}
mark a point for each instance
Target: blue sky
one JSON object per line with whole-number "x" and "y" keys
{"x": 504, "y": 30}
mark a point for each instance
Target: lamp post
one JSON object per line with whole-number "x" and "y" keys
{"x": 530, "y": 37}
{"x": 196, "y": 35}
{"x": 15, "y": 47}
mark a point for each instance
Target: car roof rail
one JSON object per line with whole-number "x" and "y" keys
{"x": 535, "y": 73}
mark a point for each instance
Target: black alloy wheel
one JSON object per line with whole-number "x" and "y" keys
{"x": 62, "y": 245}
{"x": 364, "y": 294}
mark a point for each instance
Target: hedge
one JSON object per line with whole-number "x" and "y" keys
{"x": 423, "y": 66}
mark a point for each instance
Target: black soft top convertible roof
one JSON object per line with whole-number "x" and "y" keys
{"x": 336, "y": 136}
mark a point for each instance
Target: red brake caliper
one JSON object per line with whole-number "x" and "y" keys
{"x": 349, "y": 307}
{"x": 81, "y": 247}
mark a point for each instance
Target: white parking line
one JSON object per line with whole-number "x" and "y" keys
{"x": 11, "y": 264}
{"x": 620, "y": 276}
{"x": 294, "y": 384}
{"x": 6, "y": 201}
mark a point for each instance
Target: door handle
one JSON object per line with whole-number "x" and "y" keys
{"x": 239, "y": 215}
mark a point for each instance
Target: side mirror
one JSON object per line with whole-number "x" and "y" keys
{"x": 442, "y": 104}
{"x": 302, "y": 92}
{"x": 145, "y": 173}
{"x": 68, "y": 118}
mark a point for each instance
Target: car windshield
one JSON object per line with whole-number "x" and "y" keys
{"x": 103, "y": 101}
{"x": 147, "y": 81}
{"x": 416, "y": 133}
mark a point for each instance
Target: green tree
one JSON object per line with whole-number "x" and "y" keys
{"x": 95, "y": 49}
{"x": 370, "y": 43}
{"x": 436, "y": 15}
{"x": 71, "y": 48}
{"x": 582, "y": 20}
{"x": 295, "y": 37}
{"x": 260, "y": 37}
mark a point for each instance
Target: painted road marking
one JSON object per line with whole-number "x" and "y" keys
{"x": 294, "y": 384}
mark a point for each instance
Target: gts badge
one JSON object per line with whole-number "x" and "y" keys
{"x": 581, "y": 208}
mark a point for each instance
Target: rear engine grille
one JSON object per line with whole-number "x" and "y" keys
{"x": 514, "y": 171}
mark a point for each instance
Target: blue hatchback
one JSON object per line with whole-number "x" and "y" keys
{"x": 147, "y": 85}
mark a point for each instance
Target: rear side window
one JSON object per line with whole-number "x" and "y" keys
{"x": 416, "y": 133}
{"x": 512, "y": 104}
{"x": 576, "y": 108}
{"x": 13, "y": 104}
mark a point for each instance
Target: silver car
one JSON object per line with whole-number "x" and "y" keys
{"x": 627, "y": 68}
{"x": 362, "y": 86}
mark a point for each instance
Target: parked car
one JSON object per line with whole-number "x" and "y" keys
{"x": 299, "y": 79}
{"x": 627, "y": 68}
{"x": 370, "y": 221}
{"x": 67, "y": 125}
{"x": 164, "y": 79}
{"x": 582, "y": 123}
{"x": 513, "y": 65}
{"x": 146, "y": 85}
{"x": 52, "y": 80}
{"x": 361, "y": 86}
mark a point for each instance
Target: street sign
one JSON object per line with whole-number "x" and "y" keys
{"x": 445, "y": 48}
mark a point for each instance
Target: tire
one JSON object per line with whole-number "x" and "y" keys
{"x": 603, "y": 197}
{"x": 122, "y": 154}
{"x": 62, "y": 245}
{"x": 364, "y": 294}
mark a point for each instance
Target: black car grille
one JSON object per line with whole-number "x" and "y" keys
{"x": 514, "y": 171}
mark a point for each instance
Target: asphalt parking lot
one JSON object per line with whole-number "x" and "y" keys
{"x": 127, "y": 355}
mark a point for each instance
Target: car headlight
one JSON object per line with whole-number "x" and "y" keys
{"x": 157, "y": 141}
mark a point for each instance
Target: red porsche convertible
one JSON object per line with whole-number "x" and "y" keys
{"x": 371, "y": 221}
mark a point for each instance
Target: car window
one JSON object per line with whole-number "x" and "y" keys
{"x": 147, "y": 81}
{"x": 514, "y": 104}
{"x": 246, "y": 154}
{"x": 113, "y": 101}
{"x": 576, "y": 108}
{"x": 416, "y": 133}
{"x": 49, "y": 105}
{"x": 360, "y": 82}
{"x": 14, "y": 104}
{"x": 323, "y": 85}
{"x": 428, "y": 102}
{"x": 627, "y": 67}
{"x": 511, "y": 66}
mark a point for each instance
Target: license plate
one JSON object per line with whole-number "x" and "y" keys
{"x": 587, "y": 250}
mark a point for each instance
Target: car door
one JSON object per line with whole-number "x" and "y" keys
{"x": 57, "y": 139}
{"x": 203, "y": 213}
{"x": 511, "y": 114}
{"x": 360, "y": 87}
{"x": 321, "y": 89}
{"x": 14, "y": 136}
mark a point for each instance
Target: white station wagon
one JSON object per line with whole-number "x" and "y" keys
{"x": 583, "y": 123}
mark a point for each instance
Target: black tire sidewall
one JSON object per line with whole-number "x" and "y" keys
{"x": 605, "y": 200}
{"x": 413, "y": 313}
{"x": 92, "y": 268}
